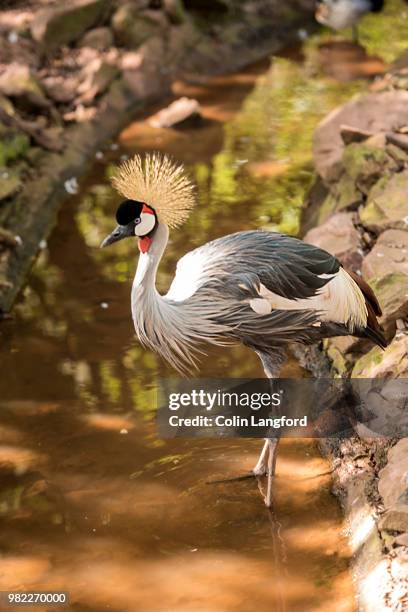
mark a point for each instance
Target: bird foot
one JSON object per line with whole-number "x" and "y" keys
{"x": 260, "y": 470}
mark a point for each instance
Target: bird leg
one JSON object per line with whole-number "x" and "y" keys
{"x": 272, "y": 363}
{"x": 355, "y": 33}
{"x": 261, "y": 467}
{"x": 266, "y": 466}
{"x": 273, "y": 446}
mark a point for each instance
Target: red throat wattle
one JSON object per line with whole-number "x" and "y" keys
{"x": 144, "y": 244}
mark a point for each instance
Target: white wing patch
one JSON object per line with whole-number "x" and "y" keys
{"x": 339, "y": 301}
{"x": 188, "y": 277}
{"x": 261, "y": 306}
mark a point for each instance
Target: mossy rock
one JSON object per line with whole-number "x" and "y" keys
{"x": 393, "y": 362}
{"x": 365, "y": 164}
{"x": 10, "y": 183}
{"x": 387, "y": 203}
{"x": 13, "y": 147}
{"x": 175, "y": 10}
{"x": 58, "y": 26}
{"x": 392, "y": 293}
{"x": 18, "y": 82}
{"x": 343, "y": 196}
{"x": 132, "y": 28}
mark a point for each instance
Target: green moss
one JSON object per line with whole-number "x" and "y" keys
{"x": 386, "y": 35}
{"x": 13, "y": 147}
{"x": 391, "y": 291}
{"x": 363, "y": 365}
{"x": 10, "y": 183}
{"x": 387, "y": 202}
{"x": 68, "y": 24}
{"x": 364, "y": 164}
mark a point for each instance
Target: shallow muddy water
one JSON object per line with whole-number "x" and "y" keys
{"x": 91, "y": 501}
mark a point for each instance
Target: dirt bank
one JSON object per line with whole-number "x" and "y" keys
{"x": 71, "y": 77}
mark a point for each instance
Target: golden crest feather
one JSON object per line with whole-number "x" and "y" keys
{"x": 160, "y": 182}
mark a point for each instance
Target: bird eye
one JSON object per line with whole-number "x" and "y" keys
{"x": 137, "y": 221}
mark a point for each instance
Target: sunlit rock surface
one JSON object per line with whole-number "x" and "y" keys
{"x": 375, "y": 112}
{"x": 339, "y": 237}
{"x": 387, "y": 203}
{"x": 392, "y": 362}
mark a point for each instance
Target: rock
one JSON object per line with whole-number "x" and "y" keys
{"x": 131, "y": 27}
{"x": 181, "y": 113}
{"x": 399, "y": 140}
{"x": 62, "y": 89}
{"x": 344, "y": 350}
{"x": 390, "y": 254}
{"x": 10, "y": 184}
{"x": 392, "y": 362}
{"x": 12, "y": 146}
{"x": 393, "y": 483}
{"x": 387, "y": 203}
{"x": 7, "y": 106}
{"x": 339, "y": 237}
{"x": 373, "y": 112}
{"x": 365, "y": 164}
{"x": 148, "y": 82}
{"x": 392, "y": 293}
{"x": 175, "y": 10}
{"x": 98, "y": 38}
{"x": 59, "y": 26}
{"x": 395, "y": 519}
{"x": 343, "y": 195}
{"x": 402, "y": 540}
{"x": 351, "y": 134}
{"x": 20, "y": 84}
{"x": 98, "y": 76}
{"x": 8, "y": 240}
{"x": 132, "y": 60}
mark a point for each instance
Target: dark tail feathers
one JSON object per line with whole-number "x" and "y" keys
{"x": 373, "y": 331}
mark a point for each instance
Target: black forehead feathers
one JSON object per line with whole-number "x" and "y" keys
{"x": 128, "y": 211}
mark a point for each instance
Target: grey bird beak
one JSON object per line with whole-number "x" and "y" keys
{"x": 120, "y": 232}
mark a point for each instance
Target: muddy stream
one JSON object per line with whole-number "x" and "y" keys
{"x": 91, "y": 501}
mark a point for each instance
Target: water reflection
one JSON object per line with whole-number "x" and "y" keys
{"x": 91, "y": 500}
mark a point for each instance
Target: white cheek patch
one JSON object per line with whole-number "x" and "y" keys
{"x": 147, "y": 223}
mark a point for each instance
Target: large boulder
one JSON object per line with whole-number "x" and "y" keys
{"x": 98, "y": 38}
{"x": 132, "y": 28}
{"x": 386, "y": 268}
{"x": 339, "y": 237}
{"x": 10, "y": 183}
{"x": 98, "y": 75}
{"x": 374, "y": 112}
{"x": 390, "y": 254}
{"x": 183, "y": 112}
{"x": 387, "y": 203}
{"x": 392, "y": 293}
{"x": 64, "y": 24}
{"x": 392, "y": 362}
{"x": 365, "y": 163}
{"x": 18, "y": 82}
{"x": 393, "y": 488}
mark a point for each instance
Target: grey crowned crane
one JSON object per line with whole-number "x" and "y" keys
{"x": 341, "y": 14}
{"x": 261, "y": 288}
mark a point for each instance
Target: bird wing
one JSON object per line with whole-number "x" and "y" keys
{"x": 269, "y": 271}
